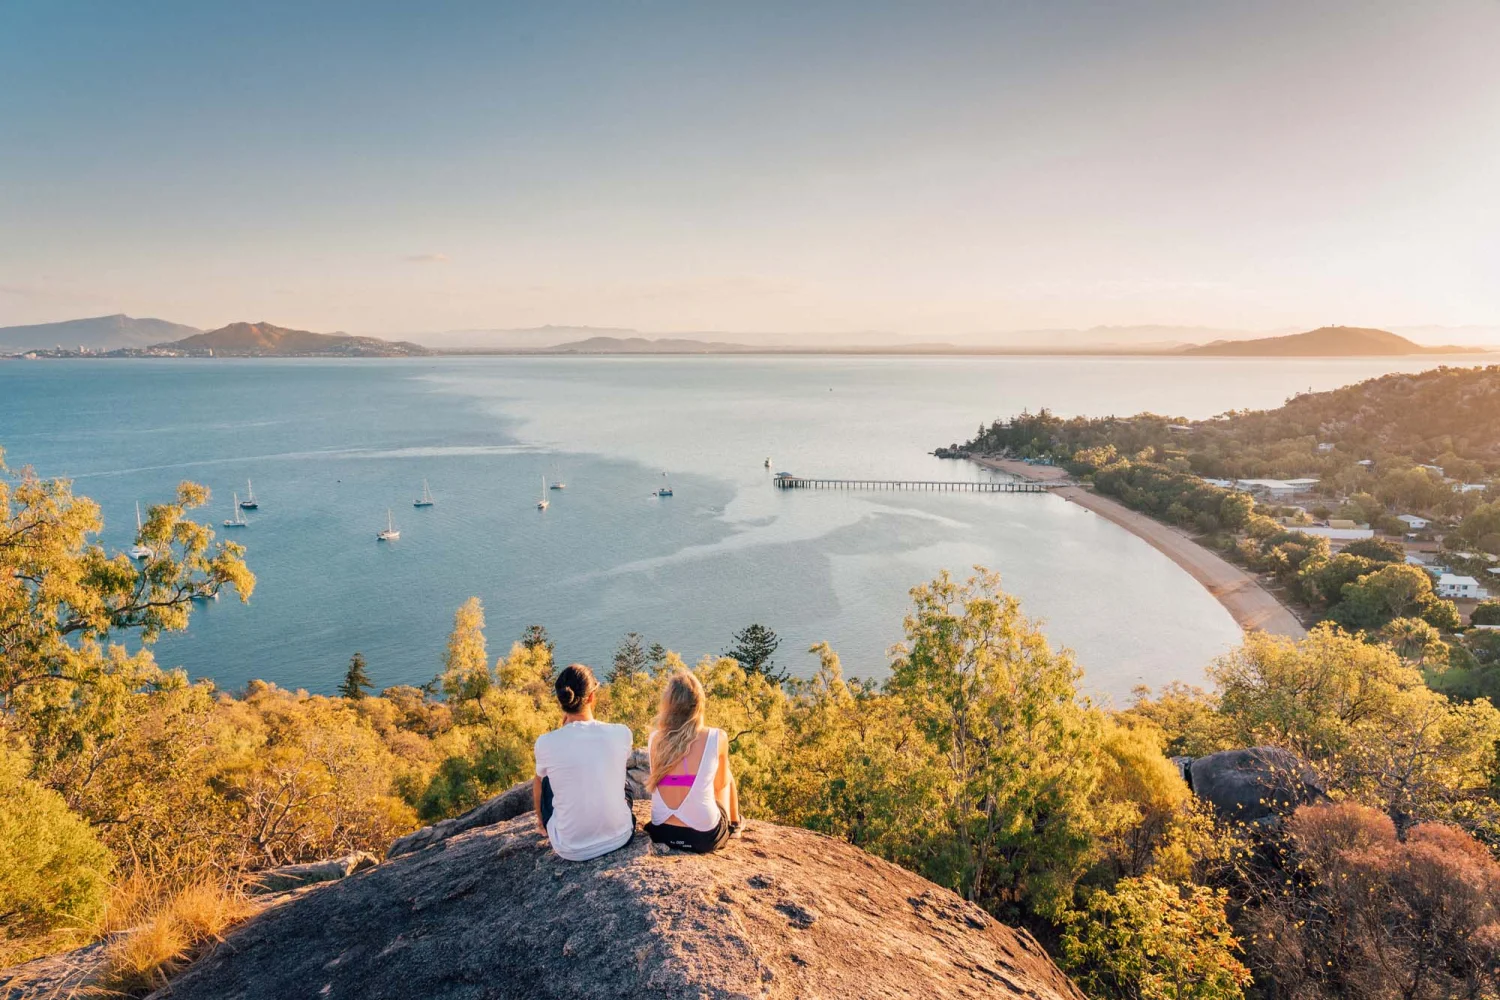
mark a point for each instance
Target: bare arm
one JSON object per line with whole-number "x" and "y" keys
{"x": 724, "y": 788}
{"x": 536, "y": 803}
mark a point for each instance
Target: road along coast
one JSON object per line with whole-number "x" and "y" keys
{"x": 1248, "y": 603}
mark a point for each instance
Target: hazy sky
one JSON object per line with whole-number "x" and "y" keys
{"x": 930, "y": 168}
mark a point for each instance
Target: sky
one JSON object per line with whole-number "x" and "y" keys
{"x": 928, "y": 168}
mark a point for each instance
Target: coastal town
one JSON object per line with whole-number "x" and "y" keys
{"x": 1369, "y": 507}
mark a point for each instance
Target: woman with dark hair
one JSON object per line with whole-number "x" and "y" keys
{"x": 579, "y": 789}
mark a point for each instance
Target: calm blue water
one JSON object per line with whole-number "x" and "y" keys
{"x": 331, "y": 444}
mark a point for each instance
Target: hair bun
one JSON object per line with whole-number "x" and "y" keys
{"x": 573, "y": 686}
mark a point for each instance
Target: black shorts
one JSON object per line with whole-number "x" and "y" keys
{"x": 685, "y": 838}
{"x": 546, "y": 813}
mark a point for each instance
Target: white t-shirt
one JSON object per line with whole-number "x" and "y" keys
{"x": 585, "y": 763}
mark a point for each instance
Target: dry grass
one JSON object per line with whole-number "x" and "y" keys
{"x": 158, "y": 934}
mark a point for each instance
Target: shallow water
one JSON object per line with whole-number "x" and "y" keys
{"x": 331, "y": 444}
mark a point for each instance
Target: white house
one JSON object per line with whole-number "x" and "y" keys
{"x": 1468, "y": 487}
{"x": 1277, "y": 487}
{"x": 1335, "y": 534}
{"x": 1465, "y": 587}
{"x": 1413, "y": 522}
{"x": 1325, "y": 446}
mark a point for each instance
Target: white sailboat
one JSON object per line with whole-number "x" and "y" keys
{"x": 139, "y": 551}
{"x": 238, "y": 520}
{"x": 390, "y": 534}
{"x": 557, "y": 484}
{"x": 249, "y": 503}
{"x": 542, "y": 503}
{"x": 426, "y": 500}
{"x": 666, "y": 490}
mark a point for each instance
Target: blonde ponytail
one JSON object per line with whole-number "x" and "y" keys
{"x": 678, "y": 721}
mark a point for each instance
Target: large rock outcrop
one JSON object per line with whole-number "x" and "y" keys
{"x": 493, "y": 913}
{"x": 1255, "y": 785}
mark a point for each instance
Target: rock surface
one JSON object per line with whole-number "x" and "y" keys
{"x": 509, "y": 804}
{"x": 295, "y": 876}
{"x": 492, "y": 913}
{"x": 1256, "y": 784}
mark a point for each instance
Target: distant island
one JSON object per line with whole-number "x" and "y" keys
{"x": 264, "y": 340}
{"x": 644, "y": 345}
{"x": 1324, "y": 342}
{"x": 121, "y": 336}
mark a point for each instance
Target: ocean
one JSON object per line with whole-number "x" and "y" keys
{"x": 331, "y": 445}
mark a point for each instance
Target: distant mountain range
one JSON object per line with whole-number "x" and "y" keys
{"x": 267, "y": 340}
{"x": 99, "y": 333}
{"x": 643, "y": 345}
{"x": 1324, "y": 342}
{"x": 125, "y": 335}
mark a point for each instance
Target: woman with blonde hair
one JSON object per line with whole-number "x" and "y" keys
{"x": 695, "y": 805}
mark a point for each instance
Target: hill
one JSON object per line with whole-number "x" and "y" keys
{"x": 98, "y": 333}
{"x": 493, "y": 912}
{"x": 1324, "y": 342}
{"x": 644, "y": 345}
{"x": 267, "y": 340}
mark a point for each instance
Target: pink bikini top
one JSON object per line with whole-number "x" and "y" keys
{"x": 677, "y": 781}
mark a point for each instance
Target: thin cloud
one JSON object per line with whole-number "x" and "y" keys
{"x": 428, "y": 258}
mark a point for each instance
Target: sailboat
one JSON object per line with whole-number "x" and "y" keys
{"x": 139, "y": 551}
{"x": 390, "y": 534}
{"x": 249, "y": 503}
{"x": 238, "y": 520}
{"x": 666, "y": 490}
{"x": 426, "y": 500}
{"x": 557, "y": 485}
{"x": 543, "y": 502}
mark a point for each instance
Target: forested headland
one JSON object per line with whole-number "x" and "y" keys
{"x": 136, "y": 803}
{"x": 1424, "y": 445}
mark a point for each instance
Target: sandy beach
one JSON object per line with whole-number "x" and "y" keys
{"x": 1250, "y": 604}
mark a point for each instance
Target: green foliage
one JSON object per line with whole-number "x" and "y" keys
{"x": 1363, "y": 718}
{"x": 1018, "y": 818}
{"x": 1376, "y": 550}
{"x": 1486, "y": 613}
{"x": 356, "y": 680}
{"x": 61, "y": 592}
{"x": 753, "y": 648}
{"x": 53, "y": 870}
{"x": 1151, "y": 940}
{"x": 1393, "y": 591}
{"x": 630, "y": 659}
{"x": 1322, "y": 579}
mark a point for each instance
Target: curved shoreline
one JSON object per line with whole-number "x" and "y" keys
{"x": 1248, "y": 603}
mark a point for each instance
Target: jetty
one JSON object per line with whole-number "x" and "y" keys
{"x": 787, "y": 481}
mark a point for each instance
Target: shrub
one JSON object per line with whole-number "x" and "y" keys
{"x": 53, "y": 869}
{"x": 1154, "y": 941}
{"x": 1486, "y": 613}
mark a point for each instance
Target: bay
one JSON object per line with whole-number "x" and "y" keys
{"x": 332, "y": 444}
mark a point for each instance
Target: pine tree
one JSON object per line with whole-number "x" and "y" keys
{"x": 656, "y": 656}
{"x": 630, "y": 658}
{"x": 754, "y": 646}
{"x": 535, "y": 637}
{"x": 356, "y": 681}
